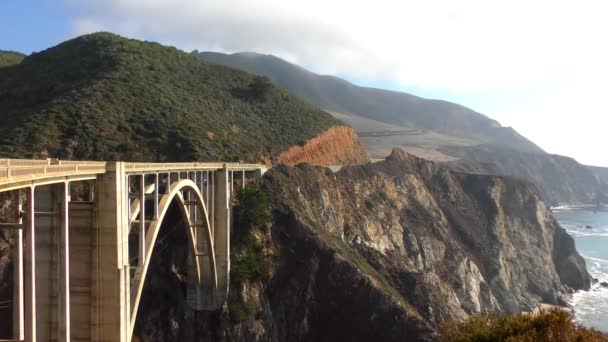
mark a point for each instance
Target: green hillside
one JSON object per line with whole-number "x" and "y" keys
{"x": 390, "y": 107}
{"x": 102, "y": 96}
{"x": 8, "y": 58}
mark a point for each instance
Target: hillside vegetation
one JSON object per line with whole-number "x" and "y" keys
{"x": 102, "y": 96}
{"x": 555, "y": 325}
{"x": 8, "y": 58}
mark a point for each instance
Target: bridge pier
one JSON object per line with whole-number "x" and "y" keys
{"x": 110, "y": 286}
{"x": 82, "y": 228}
{"x": 30, "y": 268}
{"x": 18, "y": 293}
{"x": 222, "y": 229}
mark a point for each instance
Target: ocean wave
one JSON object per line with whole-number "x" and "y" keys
{"x": 589, "y": 207}
{"x": 591, "y": 307}
{"x": 581, "y": 233}
{"x": 594, "y": 259}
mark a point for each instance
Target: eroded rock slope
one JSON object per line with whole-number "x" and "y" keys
{"x": 386, "y": 251}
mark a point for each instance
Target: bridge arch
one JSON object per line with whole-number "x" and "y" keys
{"x": 201, "y": 243}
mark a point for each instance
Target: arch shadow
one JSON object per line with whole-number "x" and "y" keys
{"x": 201, "y": 243}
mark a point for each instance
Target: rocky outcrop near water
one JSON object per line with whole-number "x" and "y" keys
{"x": 383, "y": 251}
{"x": 339, "y": 145}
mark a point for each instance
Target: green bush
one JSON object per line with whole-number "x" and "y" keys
{"x": 252, "y": 209}
{"x": 260, "y": 87}
{"x": 251, "y": 265}
{"x": 555, "y": 325}
{"x": 237, "y": 311}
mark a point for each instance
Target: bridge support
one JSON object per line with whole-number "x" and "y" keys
{"x": 222, "y": 228}
{"x": 30, "y": 266}
{"x": 110, "y": 286}
{"x": 18, "y": 295}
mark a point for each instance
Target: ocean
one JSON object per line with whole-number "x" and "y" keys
{"x": 590, "y": 307}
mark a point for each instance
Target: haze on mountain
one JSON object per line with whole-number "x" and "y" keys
{"x": 431, "y": 129}
{"x": 371, "y": 110}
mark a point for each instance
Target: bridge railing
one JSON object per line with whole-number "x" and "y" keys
{"x": 14, "y": 171}
{"x": 192, "y": 166}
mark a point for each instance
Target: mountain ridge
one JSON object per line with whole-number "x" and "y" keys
{"x": 334, "y": 94}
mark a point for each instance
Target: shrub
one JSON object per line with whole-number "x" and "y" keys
{"x": 260, "y": 87}
{"x": 553, "y": 325}
{"x": 252, "y": 208}
{"x": 251, "y": 265}
{"x": 237, "y": 311}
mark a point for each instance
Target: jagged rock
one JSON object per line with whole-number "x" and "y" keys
{"x": 386, "y": 251}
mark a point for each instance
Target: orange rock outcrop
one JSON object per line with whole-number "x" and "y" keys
{"x": 339, "y": 145}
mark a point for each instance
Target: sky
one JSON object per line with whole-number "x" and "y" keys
{"x": 539, "y": 66}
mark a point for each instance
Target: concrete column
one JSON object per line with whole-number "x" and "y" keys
{"x": 18, "y": 290}
{"x": 207, "y": 186}
{"x": 259, "y": 173}
{"x": 110, "y": 286}
{"x": 156, "y": 195}
{"x": 231, "y": 182}
{"x": 243, "y": 180}
{"x": 222, "y": 230}
{"x": 142, "y": 220}
{"x": 81, "y": 229}
{"x": 64, "y": 286}
{"x": 48, "y": 261}
{"x": 212, "y": 202}
{"x": 30, "y": 266}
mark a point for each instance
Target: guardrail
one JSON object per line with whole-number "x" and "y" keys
{"x": 151, "y": 167}
{"x": 18, "y": 175}
{"x": 26, "y": 170}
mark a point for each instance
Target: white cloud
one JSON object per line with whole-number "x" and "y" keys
{"x": 466, "y": 47}
{"x": 86, "y": 25}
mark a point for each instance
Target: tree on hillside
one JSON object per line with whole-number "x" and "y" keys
{"x": 260, "y": 87}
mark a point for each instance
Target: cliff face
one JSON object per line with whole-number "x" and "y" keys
{"x": 338, "y": 145}
{"x": 383, "y": 251}
{"x": 561, "y": 180}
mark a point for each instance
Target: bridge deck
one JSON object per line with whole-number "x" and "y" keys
{"x": 21, "y": 173}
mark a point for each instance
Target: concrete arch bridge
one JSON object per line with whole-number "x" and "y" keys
{"x": 75, "y": 275}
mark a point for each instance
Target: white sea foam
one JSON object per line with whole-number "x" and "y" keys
{"x": 590, "y": 307}
{"x": 586, "y": 232}
{"x": 594, "y": 259}
{"x": 576, "y": 207}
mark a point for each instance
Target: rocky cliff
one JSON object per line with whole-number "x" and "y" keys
{"x": 383, "y": 251}
{"x": 561, "y": 180}
{"x": 338, "y": 145}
